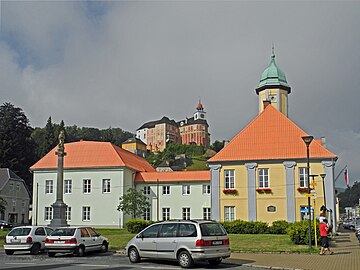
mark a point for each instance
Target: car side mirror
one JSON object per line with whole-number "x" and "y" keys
{"x": 140, "y": 235}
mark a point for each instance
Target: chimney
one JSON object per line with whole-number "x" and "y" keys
{"x": 323, "y": 141}
{"x": 266, "y": 103}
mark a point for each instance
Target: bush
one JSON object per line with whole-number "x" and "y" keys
{"x": 137, "y": 225}
{"x": 299, "y": 233}
{"x": 245, "y": 227}
{"x": 279, "y": 227}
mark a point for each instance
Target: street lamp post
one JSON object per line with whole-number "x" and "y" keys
{"x": 307, "y": 140}
{"x": 323, "y": 183}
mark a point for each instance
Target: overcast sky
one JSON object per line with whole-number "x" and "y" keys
{"x": 124, "y": 63}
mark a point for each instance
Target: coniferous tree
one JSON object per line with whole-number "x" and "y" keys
{"x": 16, "y": 146}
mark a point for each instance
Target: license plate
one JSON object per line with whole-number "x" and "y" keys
{"x": 59, "y": 242}
{"x": 216, "y": 243}
{"x": 15, "y": 241}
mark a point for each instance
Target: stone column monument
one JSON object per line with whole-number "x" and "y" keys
{"x": 59, "y": 207}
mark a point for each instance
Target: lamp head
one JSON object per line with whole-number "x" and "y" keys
{"x": 322, "y": 175}
{"x": 307, "y": 139}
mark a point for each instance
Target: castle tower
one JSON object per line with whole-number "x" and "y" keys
{"x": 273, "y": 87}
{"x": 200, "y": 113}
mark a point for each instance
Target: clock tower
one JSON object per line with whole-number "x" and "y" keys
{"x": 199, "y": 114}
{"x": 273, "y": 87}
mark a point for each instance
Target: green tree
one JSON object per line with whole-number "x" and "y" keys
{"x": 350, "y": 197}
{"x": 3, "y": 204}
{"x": 133, "y": 203}
{"x": 16, "y": 145}
{"x": 217, "y": 146}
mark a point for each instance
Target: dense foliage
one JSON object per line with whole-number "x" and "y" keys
{"x": 299, "y": 233}
{"x": 3, "y": 204}
{"x": 16, "y": 146}
{"x": 350, "y": 197}
{"x": 255, "y": 227}
{"x": 133, "y": 203}
{"x": 279, "y": 227}
{"x": 137, "y": 225}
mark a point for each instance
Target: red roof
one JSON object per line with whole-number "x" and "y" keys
{"x": 172, "y": 176}
{"x": 89, "y": 154}
{"x": 271, "y": 135}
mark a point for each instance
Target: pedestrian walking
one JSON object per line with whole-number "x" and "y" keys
{"x": 324, "y": 229}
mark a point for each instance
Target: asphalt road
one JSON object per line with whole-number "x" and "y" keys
{"x": 95, "y": 261}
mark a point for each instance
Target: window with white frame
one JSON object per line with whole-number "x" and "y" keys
{"x": 87, "y": 186}
{"x": 229, "y": 179}
{"x": 206, "y": 189}
{"x": 68, "y": 213}
{"x": 206, "y": 213}
{"x": 186, "y": 189}
{"x": 146, "y": 214}
{"x": 303, "y": 177}
{"x": 67, "y": 186}
{"x": 263, "y": 178}
{"x": 186, "y": 213}
{"x": 86, "y": 213}
{"x": 106, "y": 185}
{"x": 229, "y": 213}
{"x": 48, "y": 213}
{"x": 49, "y": 188}
{"x": 166, "y": 190}
{"x": 146, "y": 190}
{"x": 166, "y": 213}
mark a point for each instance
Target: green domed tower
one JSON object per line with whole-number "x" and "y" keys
{"x": 273, "y": 87}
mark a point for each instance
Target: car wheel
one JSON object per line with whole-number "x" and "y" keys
{"x": 134, "y": 256}
{"x": 51, "y": 254}
{"x": 214, "y": 262}
{"x": 35, "y": 249}
{"x": 9, "y": 252}
{"x": 185, "y": 260}
{"x": 80, "y": 251}
{"x": 104, "y": 247}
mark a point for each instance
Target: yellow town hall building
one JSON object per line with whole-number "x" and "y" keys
{"x": 261, "y": 174}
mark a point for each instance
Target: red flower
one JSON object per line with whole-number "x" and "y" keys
{"x": 303, "y": 189}
{"x": 229, "y": 191}
{"x": 263, "y": 189}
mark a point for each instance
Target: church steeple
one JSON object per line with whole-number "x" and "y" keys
{"x": 273, "y": 87}
{"x": 200, "y": 113}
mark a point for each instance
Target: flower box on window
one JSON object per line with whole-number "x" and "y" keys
{"x": 303, "y": 189}
{"x": 264, "y": 190}
{"x": 229, "y": 191}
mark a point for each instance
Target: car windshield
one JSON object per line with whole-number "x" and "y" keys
{"x": 64, "y": 232}
{"x": 20, "y": 232}
{"x": 211, "y": 229}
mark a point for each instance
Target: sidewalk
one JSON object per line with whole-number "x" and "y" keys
{"x": 346, "y": 257}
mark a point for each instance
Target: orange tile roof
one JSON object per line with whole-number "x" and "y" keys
{"x": 172, "y": 176}
{"x": 90, "y": 154}
{"x": 269, "y": 136}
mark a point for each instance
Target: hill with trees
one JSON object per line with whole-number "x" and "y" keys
{"x": 350, "y": 197}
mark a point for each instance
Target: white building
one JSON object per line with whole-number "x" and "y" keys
{"x": 96, "y": 175}
{"x": 176, "y": 195}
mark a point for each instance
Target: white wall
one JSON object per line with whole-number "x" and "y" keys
{"x": 176, "y": 201}
{"x": 103, "y": 206}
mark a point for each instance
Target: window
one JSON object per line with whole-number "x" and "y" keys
{"x": 229, "y": 179}
{"x": 67, "y": 186}
{"x": 18, "y": 187}
{"x": 146, "y": 214}
{"x": 166, "y": 213}
{"x": 106, "y": 185}
{"x": 68, "y": 213}
{"x": 187, "y": 230}
{"x": 49, "y": 187}
{"x": 186, "y": 189}
{"x": 229, "y": 213}
{"x": 84, "y": 233}
{"x": 48, "y": 213}
{"x": 206, "y": 213}
{"x": 263, "y": 178}
{"x": 166, "y": 190}
{"x": 186, "y": 213}
{"x": 206, "y": 189}
{"x": 303, "y": 177}
{"x": 147, "y": 190}
{"x": 40, "y": 231}
{"x": 168, "y": 230}
{"x": 87, "y": 186}
{"x": 86, "y": 213}
{"x": 151, "y": 232}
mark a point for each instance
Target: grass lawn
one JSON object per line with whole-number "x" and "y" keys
{"x": 238, "y": 242}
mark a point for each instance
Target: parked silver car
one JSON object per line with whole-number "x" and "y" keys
{"x": 76, "y": 240}
{"x": 183, "y": 240}
{"x": 24, "y": 238}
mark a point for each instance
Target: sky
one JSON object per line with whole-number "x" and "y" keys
{"x": 123, "y": 63}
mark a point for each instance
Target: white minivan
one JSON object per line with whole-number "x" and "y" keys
{"x": 183, "y": 240}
